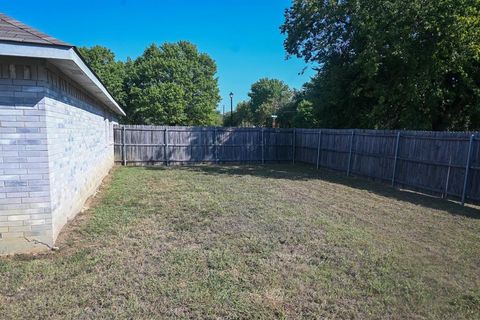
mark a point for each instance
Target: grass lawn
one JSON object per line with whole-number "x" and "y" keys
{"x": 279, "y": 241}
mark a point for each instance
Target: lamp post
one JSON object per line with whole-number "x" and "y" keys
{"x": 231, "y": 107}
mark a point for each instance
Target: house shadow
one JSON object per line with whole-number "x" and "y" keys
{"x": 302, "y": 172}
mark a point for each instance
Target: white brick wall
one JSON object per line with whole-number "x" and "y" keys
{"x": 55, "y": 148}
{"x": 80, "y": 152}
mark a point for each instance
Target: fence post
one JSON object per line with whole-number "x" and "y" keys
{"x": 263, "y": 146}
{"x": 124, "y": 146}
{"x": 215, "y": 144}
{"x": 447, "y": 181}
{"x": 350, "y": 152}
{"x": 319, "y": 146}
{"x": 397, "y": 144}
{"x": 294, "y": 138}
{"x": 247, "y": 145}
{"x": 467, "y": 168}
{"x": 165, "y": 142}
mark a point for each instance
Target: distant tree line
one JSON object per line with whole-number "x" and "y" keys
{"x": 171, "y": 84}
{"x": 267, "y": 97}
{"x": 272, "y": 97}
{"x": 382, "y": 64}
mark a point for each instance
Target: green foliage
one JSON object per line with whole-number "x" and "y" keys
{"x": 299, "y": 112}
{"x": 217, "y": 119}
{"x": 267, "y": 97}
{"x": 111, "y": 72}
{"x": 241, "y": 117}
{"x": 390, "y": 63}
{"x": 172, "y": 84}
{"x": 158, "y": 104}
{"x": 304, "y": 117}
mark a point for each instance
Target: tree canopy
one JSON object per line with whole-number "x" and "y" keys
{"x": 386, "y": 64}
{"x": 111, "y": 72}
{"x": 174, "y": 84}
{"x": 171, "y": 84}
{"x": 390, "y": 63}
{"x": 267, "y": 97}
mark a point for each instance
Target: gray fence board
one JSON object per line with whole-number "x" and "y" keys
{"x": 147, "y": 144}
{"x": 430, "y": 162}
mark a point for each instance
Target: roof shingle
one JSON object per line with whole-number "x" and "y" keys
{"x": 13, "y": 30}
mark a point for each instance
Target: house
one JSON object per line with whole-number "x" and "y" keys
{"x": 56, "y": 136}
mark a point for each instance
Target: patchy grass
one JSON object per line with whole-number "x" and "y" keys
{"x": 253, "y": 242}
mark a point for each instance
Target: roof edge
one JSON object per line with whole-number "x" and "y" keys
{"x": 37, "y": 35}
{"x": 93, "y": 76}
{"x": 59, "y": 52}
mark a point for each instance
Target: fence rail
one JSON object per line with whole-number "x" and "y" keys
{"x": 444, "y": 164}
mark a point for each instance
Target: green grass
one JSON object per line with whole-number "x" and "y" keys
{"x": 277, "y": 241}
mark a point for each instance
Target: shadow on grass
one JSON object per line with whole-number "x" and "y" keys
{"x": 305, "y": 173}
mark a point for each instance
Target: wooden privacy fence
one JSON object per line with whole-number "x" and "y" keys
{"x": 150, "y": 145}
{"x": 445, "y": 164}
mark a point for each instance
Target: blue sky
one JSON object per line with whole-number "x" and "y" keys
{"x": 242, "y": 36}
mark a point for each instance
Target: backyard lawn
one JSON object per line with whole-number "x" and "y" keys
{"x": 278, "y": 241}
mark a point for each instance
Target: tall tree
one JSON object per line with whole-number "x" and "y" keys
{"x": 173, "y": 84}
{"x": 267, "y": 96}
{"x": 111, "y": 72}
{"x": 390, "y": 63}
